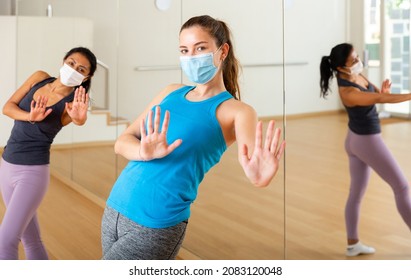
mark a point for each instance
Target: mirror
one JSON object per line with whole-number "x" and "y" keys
{"x": 317, "y": 178}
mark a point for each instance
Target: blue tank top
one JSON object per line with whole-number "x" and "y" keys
{"x": 362, "y": 120}
{"x": 159, "y": 193}
{"x": 29, "y": 144}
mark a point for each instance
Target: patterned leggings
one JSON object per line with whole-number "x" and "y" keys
{"x": 23, "y": 188}
{"x": 123, "y": 239}
{"x": 366, "y": 152}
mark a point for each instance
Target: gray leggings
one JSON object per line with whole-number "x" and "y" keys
{"x": 366, "y": 152}
{"x": 123, "y": 239}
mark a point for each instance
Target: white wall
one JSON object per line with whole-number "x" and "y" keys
{"x": 42, "y": 42}
{"x": 7, "y": 70}
{"x": 356, "y": 23}
{"x": 312, "y": 29}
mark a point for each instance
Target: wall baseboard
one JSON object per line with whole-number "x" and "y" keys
{"x": 77, "y": 187}
{"x": 82, "y": 145}
{"x": 303, "y": 115}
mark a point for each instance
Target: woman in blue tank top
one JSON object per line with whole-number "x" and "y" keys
{"x": 181, "y": 134}
{"x": 40, "y": 108}
{"x": 364, "y": 145}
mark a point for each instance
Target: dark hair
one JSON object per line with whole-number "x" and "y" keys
{"x": 91, "y": 58}
{"x": 329, "y": 64}
{"x": 221, "y": 33}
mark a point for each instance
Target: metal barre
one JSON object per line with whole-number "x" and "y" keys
{"x": 173, "y": 67}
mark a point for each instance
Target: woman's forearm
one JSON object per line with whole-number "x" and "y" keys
{"x": 393, "y": 97}
{"x": 13, "y": 111}
{"x": 128, "y": 146}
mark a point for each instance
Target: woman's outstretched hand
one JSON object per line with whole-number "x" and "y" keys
{"x": 38, "y": 110}
{"x": 386, "y": 86}
{"x": 77, "y": 110}
{"x": 263, "y": 164}
{"x": 153, "y": 142}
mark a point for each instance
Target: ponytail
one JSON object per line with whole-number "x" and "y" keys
{"x": 231, "y": 67}
{"x": 329, "y": 65}
{"x": 326, "y": 75}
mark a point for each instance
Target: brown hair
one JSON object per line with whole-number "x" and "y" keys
{"x": 329, "y": 64}
{"x": 221, "y": 33}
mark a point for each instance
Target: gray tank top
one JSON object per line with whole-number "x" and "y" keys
{"x": 29, "y": 144}
{"x": 362, "y": 120}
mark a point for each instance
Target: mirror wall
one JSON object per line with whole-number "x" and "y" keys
{"x": 136, "y": 44}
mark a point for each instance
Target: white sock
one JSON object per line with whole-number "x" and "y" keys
{"x": 358, "y": 249}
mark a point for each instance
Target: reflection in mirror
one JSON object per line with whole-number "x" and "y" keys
{"x": 318, "y": 174}
{"x": 82, "y": 156}
{"x": 40, "y": 41}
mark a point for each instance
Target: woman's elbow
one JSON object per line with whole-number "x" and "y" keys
{"x": 6, "y": 110}
{"x": 116, "y": 148}
{"x": 261, "y": 185}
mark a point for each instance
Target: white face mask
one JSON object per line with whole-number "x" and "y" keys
{"x": 70, "y": 77}
{"x": 356, "y": 68}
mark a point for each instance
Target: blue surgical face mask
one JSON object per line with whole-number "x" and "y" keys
{"x": 200, "y": 69}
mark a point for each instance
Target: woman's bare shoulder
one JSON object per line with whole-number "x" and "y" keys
{"x": 38, "y": 76}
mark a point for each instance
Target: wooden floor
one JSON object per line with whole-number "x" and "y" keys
{"x": 299, "y": 216}
{"x": 70, "y": 224}
{"x": 317, "y": 187}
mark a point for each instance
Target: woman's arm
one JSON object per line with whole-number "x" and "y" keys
{"x": 11, "y": 107}
{"x": 352, "y": 96}
{"x": 128, "y": 144}
{"x": 260, "y": 159}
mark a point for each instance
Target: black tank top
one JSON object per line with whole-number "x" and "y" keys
{"x": 362, "y": 120}
{"x": 29, "y": 144}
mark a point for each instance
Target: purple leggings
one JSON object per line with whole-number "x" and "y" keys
{"x": 23, "y": 188}
{"x": 366, "y": 152}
